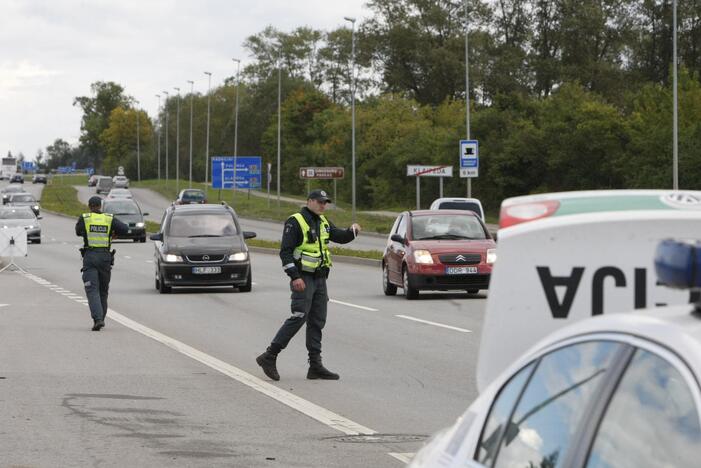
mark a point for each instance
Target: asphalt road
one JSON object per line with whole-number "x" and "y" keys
{"x": 172, "y": 379}
{"x": 155, "y": 204}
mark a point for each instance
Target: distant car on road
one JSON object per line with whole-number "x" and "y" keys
{"x": 188, "y": 196}
{"x": 128, "y": 212}
{"x": 471, "y": 204}
{"x": 103, "y": 184}
{"x": 23, "y": 216}
{"x": 39, "y": 179}
{"x": 24, "y": 199}
{"x": 10, "y": 189}
{"x": 120, "y": 181}
{"x": 119, "y": 193}
{"x": 437, "y": 250}
{"x": 17, "y": 179}
{"x": 201, "y": 245}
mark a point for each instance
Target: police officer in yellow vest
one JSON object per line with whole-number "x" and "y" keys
{"x": 306, "y": 259}
{"x": 97, "y": 229}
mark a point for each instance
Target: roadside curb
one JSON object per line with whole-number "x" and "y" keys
{"x": 336, "y": 258}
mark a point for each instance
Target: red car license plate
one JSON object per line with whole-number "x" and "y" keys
{"x": 460, "y": 270}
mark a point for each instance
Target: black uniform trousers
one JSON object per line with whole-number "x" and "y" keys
{"x": 97, "y": 271}
{"x": 308, "y": 306}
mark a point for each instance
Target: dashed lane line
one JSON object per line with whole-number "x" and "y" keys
{"x": 402, "y": 457}
{"x": 435, "y": 324}
{"x": 348, "y": 304}
{"x": 320, "y": 414}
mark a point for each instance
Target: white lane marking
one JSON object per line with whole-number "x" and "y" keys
{"x": 402, "y": 457}
{"x": 3, "y": 305}
{"x": 353, "y": 305}
{"x": 324, "y": 416}
{"x": 127, "y": 256}
{"x": 149, "y": 261}
{"x": 435, "y": 324}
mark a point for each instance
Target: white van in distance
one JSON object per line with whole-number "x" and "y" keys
{"x": 471, "y": 204}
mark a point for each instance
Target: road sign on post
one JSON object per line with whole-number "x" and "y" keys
{"x": 248, "y": 172}
{"x": 427, "y": 171}
{"x": 321, "y": 173}
{"x": 469, "y": 158}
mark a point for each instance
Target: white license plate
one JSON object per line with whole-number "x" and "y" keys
{"x": 212, "y": 270}
{"x": 129, "y": 231}
{"x": 460, "y": 270}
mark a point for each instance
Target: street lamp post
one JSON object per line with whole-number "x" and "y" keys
{"x": 467, "y": 92}
{"x": 279, "y": 121}
{"x": 177, "y": 143}
{"x": 236, "y": 125}
{"x": 352, "y": 21}
{"x": 159, "y": 135}
{"x": 138, "y": 146}
{"x": 166, "y": 112}
{"x": 206, "y": 164}
{"x": 192, "y": 94}
{"x": 675, "y": 121}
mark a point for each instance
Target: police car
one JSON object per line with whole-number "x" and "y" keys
{"x": 565, "y": 379}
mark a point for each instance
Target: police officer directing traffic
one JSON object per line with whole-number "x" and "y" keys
{"x": 96, "y": 229}
{"x": 306, "y": 259}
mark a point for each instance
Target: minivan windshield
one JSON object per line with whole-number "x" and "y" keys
{"x": 202, "y": 225}
{"x": 22, "y": 198}
{"x": 447, "y": 227}
{"x": 121, "y": 208}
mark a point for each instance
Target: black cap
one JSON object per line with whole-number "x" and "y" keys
{"x": 318, "y": 195}
{"x": 95, "y": 201}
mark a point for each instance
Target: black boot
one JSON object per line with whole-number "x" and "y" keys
{"x": 267, "y": 362}
{"x": 318, "y": 371}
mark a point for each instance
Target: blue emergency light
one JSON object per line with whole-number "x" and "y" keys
{"x": 678, "y": 263}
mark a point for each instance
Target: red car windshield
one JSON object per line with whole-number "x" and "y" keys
{"x": 448, "y": 226}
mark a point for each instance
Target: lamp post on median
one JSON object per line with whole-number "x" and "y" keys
{"x": 166, "y": 112}
{"x": 279, "y": 121}
{"x": 177, "y": 144}
{"x": 352, "y": 21}
{"x": 158, "y": 132}
{"x": 675, "y": 117}
{"x": 138, "y": 146}
{"x": 192, "y": 94}
{"x": 206, "y": 164}
{"x": 236, "y": 124}
{"x": 467, "y": 92}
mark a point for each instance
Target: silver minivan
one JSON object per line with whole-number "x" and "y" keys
{"x": 471, "y": 204}
{"x": 103, "y": 185}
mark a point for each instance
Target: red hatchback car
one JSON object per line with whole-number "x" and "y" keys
{"x": 437, "y": 250}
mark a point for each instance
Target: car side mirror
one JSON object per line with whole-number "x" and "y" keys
{"x": 398, "y": 238}
{"x": 249, "y": 234}
{"x": 156, "y": 237}
{"x": 144, "y": 214}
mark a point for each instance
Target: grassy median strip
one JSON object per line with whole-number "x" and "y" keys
{"x": 61, "y": 197}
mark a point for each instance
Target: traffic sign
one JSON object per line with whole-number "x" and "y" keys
{"x": 469, "y": 158}
{"x": 429, "y": 171}
{"x": 321, "y": 173}
{"x": 248, "y": 172}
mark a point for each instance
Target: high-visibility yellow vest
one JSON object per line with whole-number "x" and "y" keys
{"x": 313, "y": 255}
{"x": 98, "y": 227}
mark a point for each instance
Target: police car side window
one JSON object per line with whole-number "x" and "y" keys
{"x": 499, "y": 415}
{"x": 565, "y": 382}
{"x": 651, "y": 420}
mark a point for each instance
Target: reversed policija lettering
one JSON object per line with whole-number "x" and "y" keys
{"x": 561, "y": 310}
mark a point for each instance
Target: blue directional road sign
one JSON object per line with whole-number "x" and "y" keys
{"x": 469, "y": 158}
{"x": 248, "y": 172}
{"x": 28, "y": 165}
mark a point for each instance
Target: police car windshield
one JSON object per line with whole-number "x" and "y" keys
{"x": 446, "y": 227}
{"x": 121, "y": 208}
{"x": 202, "y": 225}
{"x": 16, "y": 214}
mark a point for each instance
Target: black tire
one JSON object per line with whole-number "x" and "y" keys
{"x": 473, "y": 291}
{"x": 135, "y": 240}
{"x": 162, "y": 287}
{"x": 249, "y": 283}
{"x": 143, "y": 239}
{"x": 38, "y": 241}
{"x": 388, "y": 288}
{"x": 409, "y": 292}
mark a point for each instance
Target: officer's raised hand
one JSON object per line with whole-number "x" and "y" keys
{"x": 355, "y": 227}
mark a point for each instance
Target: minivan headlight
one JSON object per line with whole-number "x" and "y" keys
{"x": 238, "y": 257}
{"x": 173, "y": 258}
{"x": 423, "y": 256}
{"x": 139, "y": 224}
{"x": 491, "y": 256}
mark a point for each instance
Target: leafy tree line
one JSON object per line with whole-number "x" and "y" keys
{"x": 566, "y": 95}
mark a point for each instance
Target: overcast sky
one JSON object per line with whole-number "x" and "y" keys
{"x": 52, "y": 50}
